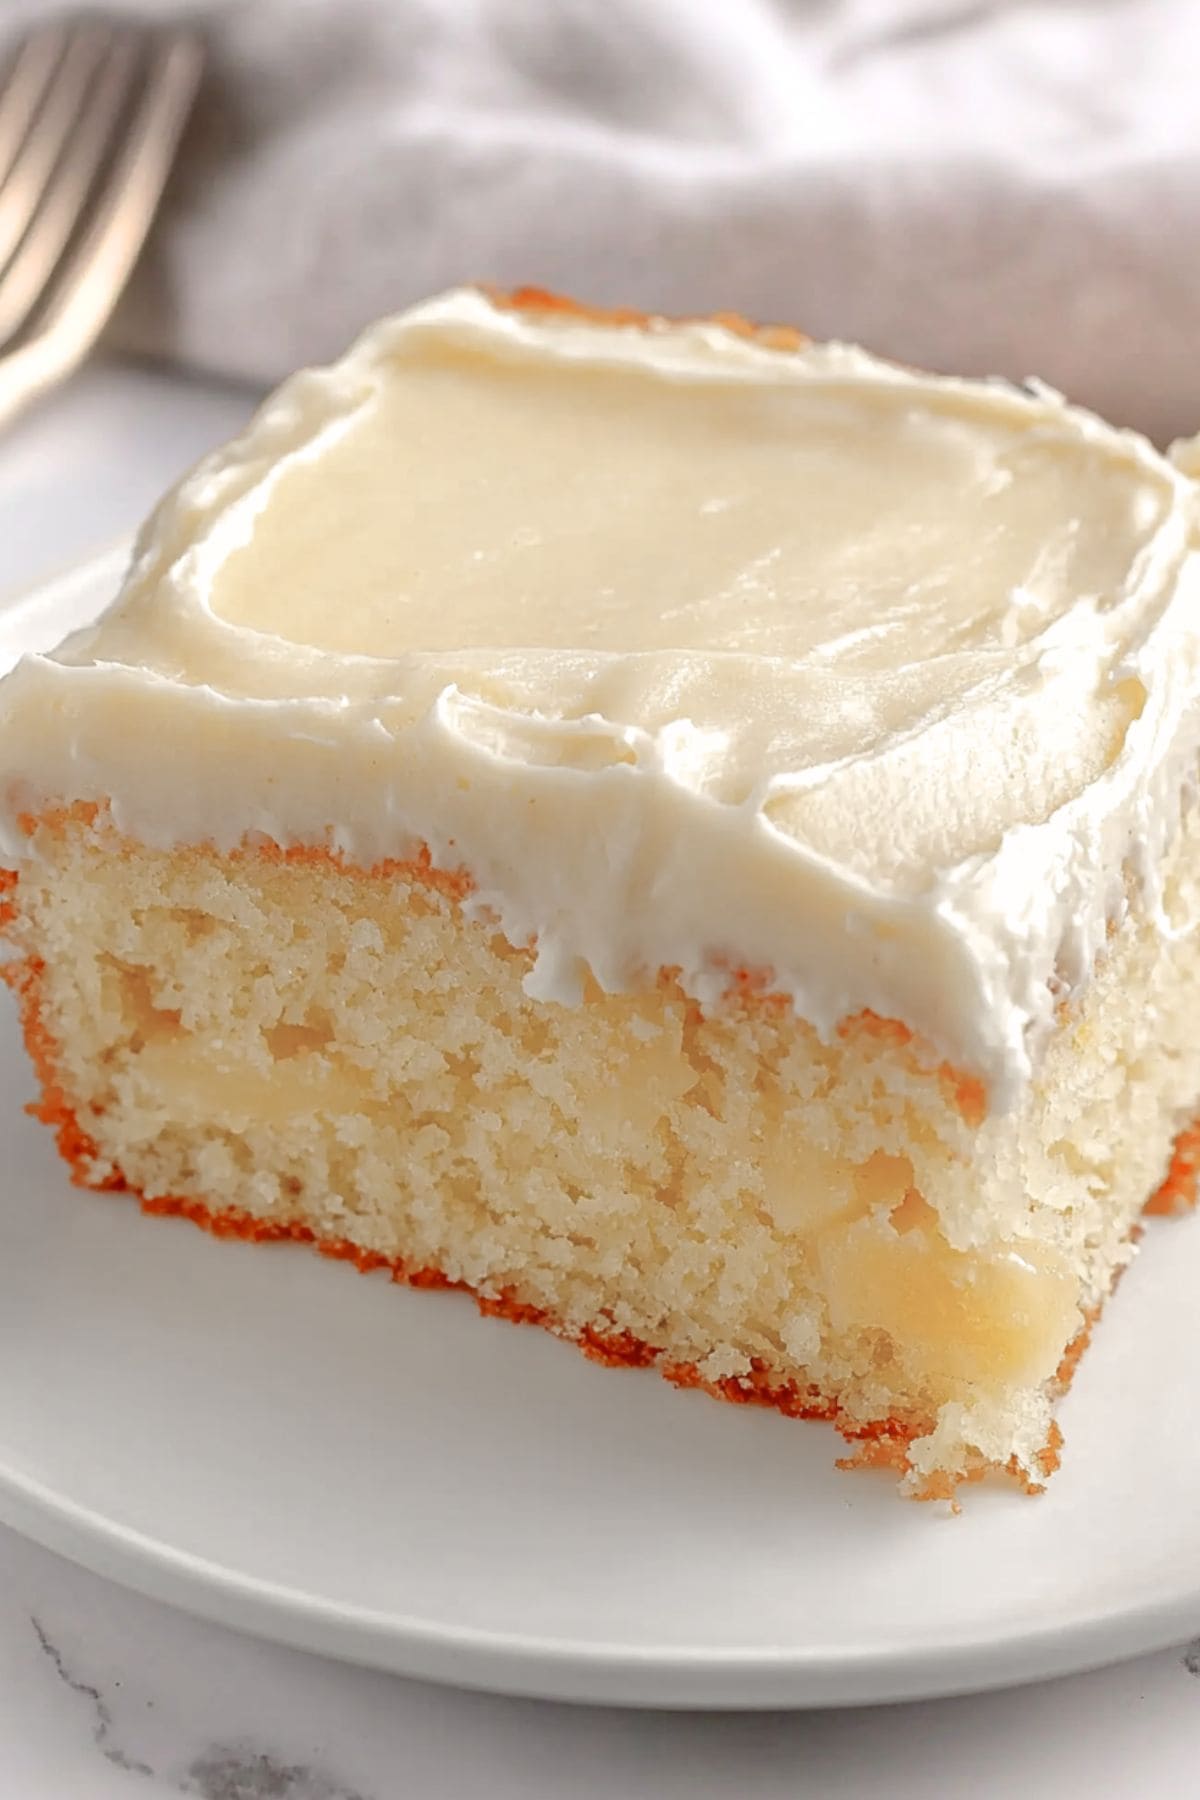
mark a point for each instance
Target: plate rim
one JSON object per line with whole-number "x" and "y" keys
{"x": 605, "y": 1674}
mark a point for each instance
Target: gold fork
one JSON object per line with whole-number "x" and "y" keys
{"x": 91, "y": 113}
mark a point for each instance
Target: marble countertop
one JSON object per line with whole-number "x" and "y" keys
{"x": 106, "y": 1696}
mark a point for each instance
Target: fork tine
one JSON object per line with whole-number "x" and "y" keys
{"x": 25, "y": 81}
{"x": 48, "y": 135}
{"x": 89, "y": 282}
{"x": 62, "y": 203}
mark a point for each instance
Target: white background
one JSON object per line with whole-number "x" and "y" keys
{"x": 104, "y": 1696}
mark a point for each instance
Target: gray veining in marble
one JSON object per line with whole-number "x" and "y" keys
{"x": 222, "y": 1772}
{"x": 242, "y": 1774}
{"x": 101, "y": 1713}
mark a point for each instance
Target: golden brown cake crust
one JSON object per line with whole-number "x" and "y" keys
{"x": 1178, "y": 1191}
{"x": 541, "y": 300}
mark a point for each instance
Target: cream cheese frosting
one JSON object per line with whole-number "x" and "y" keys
{"x": 697, "y": 652}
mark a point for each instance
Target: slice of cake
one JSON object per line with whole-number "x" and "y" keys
{"x": 682, "y": 832}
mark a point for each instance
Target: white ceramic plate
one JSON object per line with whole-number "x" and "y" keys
{"x": 283, "y": 1445}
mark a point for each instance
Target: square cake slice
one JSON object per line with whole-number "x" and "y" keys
{"x": 682, "y": 832}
